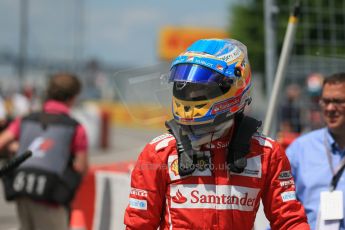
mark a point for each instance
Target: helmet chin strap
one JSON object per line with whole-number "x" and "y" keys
{"x": 219, "y": 131}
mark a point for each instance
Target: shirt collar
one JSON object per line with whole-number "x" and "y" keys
{"x": 52, "y": 106}
{"x": 330, "y": 140}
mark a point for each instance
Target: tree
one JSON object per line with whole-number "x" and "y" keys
{"x": 320, "y": 30}
{"x": 248, "y": 27}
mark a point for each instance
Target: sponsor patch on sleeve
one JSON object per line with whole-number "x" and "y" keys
{"x": 284, "y": 175}
{"x": 138, "y": 192}
{"x": 138, "y": 204}
{"x": 287, "y": 196}
{"x": 287, "y": 183}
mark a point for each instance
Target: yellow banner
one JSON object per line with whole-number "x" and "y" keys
{"x": 174, "y": 40}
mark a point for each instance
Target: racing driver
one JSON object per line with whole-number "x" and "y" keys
{"x": 213, "y": 167}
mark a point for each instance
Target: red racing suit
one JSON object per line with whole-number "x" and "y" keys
{"x": 212, "y": 198}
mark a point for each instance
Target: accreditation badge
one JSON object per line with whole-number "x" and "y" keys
{"x": 331, "y": 210}
{"x": 331, "y": 205}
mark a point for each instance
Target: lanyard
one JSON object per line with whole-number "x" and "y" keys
{"x": 340, "y": 168}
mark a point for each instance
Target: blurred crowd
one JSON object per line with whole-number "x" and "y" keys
{"x": 14, "y": 103}
{"x": 299, "y": 111}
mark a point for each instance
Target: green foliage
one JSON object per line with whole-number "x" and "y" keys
{"x": 316, "y": 23}
{"x": 248, "y": 27}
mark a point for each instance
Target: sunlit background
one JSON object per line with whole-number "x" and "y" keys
{"x": 122, "y": 50}
{"x": 100, "y": 40}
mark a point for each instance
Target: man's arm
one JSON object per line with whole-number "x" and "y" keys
{"x": 80, "y": 149}
{"x": 9, "y": 135}
{"x": 80, "y": 163}
{"x": 147, "y": 196}
{"x": 279, "y": 198}
{"x": 5, "y": 138}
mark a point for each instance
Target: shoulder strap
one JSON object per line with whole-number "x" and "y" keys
{"x": 46, "y": 119}
{"x": 186, "y": 157}
{"x": 239, "y": 146}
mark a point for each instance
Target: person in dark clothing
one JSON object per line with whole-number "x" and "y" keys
{"x": 44, "y": 185}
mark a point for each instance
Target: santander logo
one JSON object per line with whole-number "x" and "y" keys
{"x": 220, "y": 197}
{"x": 179, "y": 198}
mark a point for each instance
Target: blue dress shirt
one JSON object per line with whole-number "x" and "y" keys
{"x": 312, "y": 172}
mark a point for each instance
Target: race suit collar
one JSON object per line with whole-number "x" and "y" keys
{"x": 221, "y": 143}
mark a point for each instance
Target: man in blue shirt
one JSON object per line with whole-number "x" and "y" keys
{"x": 318, "y": 156}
